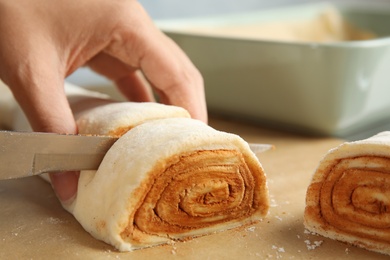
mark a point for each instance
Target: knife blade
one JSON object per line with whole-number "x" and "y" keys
{"x": 24, "y": 154}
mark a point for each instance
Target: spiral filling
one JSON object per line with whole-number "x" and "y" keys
{"x": 195, "y": 191}
{"x": 355, "y": 197}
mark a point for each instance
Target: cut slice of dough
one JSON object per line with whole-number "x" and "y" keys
{"x": 167, "y": 178}
{"x": 173, "y": 178}
{"x": 349, "y": 197}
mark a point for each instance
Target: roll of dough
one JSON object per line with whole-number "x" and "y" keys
{"x": 349, "y": 196}
{"x": 167, "y": 178}
{"x": 171, "y": 179}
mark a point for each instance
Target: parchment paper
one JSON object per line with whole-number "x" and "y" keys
{"x": 33, "y": 224}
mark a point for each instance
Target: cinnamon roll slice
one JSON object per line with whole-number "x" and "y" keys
{"x": 349, "y": 196}
{"x": 171, "y": 179}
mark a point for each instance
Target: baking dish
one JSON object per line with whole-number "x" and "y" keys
{"x": 322, "y": 88}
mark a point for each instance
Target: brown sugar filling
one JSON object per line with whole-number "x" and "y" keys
{"x": 198, "y": 190}
{"x": 355, "y": 198}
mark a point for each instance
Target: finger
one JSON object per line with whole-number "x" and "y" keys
{"x": 40, "y": 94}
{"x": 128, "y": 80}
{"x": 48, "y": 111}
{"x": 135, "y": 87}
{"x": 31, "y": 66}
{"x": 65, "y": 185}
{"x": 184, "y": 86}
{"x": 141, "y": 45}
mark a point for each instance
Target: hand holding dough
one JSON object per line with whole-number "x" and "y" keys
{"x": 168, "y": 177}
{"x": 42, "y": 43}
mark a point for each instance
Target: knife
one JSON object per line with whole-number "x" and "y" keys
{"x": 24, "y": 154}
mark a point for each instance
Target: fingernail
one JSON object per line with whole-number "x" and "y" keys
{"x": 65, "y": 185}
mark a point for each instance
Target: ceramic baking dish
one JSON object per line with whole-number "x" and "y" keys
{"x": 329, "y": 88}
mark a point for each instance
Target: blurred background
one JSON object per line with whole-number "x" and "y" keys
{"x": 175, "y": 8}
{"x": 359, "y": 73}
{"x": 168, "y": 9}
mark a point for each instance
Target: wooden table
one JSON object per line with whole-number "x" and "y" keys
{"x": 33, "y": 224}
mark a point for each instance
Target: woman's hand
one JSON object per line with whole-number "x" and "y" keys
{"x": 44, "y": 41}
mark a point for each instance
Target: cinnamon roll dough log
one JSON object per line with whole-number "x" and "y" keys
{"x": 165, "y": 179}
{"x": 349, "y": 196}
{"x": 94, "y": 112}
{"x": 171, "y": 179}
{"x": 105, "y": 117}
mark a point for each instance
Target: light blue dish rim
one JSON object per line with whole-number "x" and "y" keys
{"x": 297, "y": 11}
